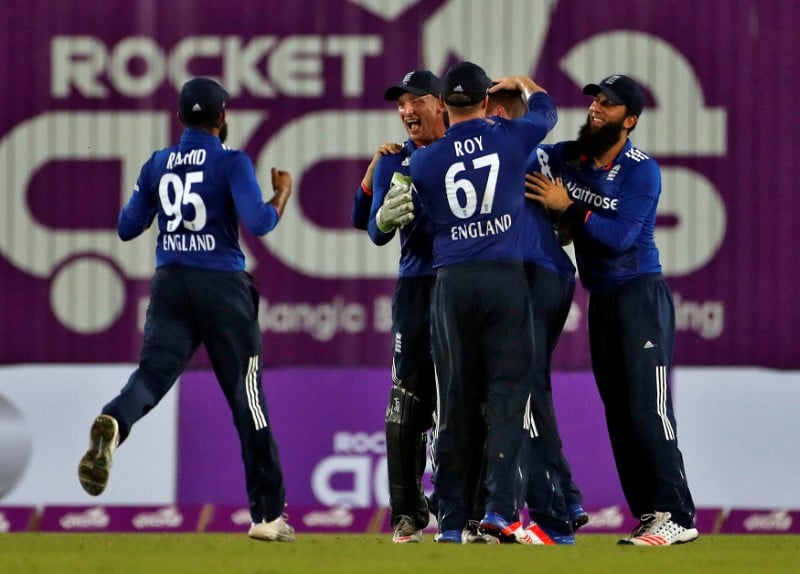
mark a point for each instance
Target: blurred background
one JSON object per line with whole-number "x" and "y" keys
{"x": 90, "y": 90}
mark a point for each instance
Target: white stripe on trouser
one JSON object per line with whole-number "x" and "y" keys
{"x": 528, "y": 422}
{"x": 395, "y": 379}
{"x": 251, "y": 386}
{"x": 661, "y": 401}
{"x": 438, "y": 410}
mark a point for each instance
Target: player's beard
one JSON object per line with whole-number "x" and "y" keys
{"x": 594, "y": 142}
{"x": 223, "y": 132}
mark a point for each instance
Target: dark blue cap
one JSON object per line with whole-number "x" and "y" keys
{"x": 619, "y": 89}
{"x": 417, "y": 82}
{"x": 465, "y": 84}
{"x": 202, "y": 100}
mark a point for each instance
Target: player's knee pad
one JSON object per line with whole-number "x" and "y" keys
{"x": 407, "y": 421}
{"x": 405, "y": 450}
{"x": 407, "y": 410}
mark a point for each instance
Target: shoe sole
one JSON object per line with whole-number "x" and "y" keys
{"x": 580, "y": 520}
{"x": 642, "y": 541}
{"x": 480, "y": 539}
{"x": 272, "y": 538}
{"x": 95, "y": 466}
{"x": 278, "y": 538}
{"x": 406, "y": 540}
{"x": 549, "y": 538}
{"x": 496, "y": 532}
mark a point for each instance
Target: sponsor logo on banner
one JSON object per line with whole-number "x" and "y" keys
{"x": 609, "y": 519}
{"x": 121, "y": 519}
{"x": 339, "y": 519}
{"x": 163, "y": 518}
{"x": 333, "y": 517}
{"x": 89, "y": 519}
{"x": 312, "y": 519}
{"x": 779, "y": 521}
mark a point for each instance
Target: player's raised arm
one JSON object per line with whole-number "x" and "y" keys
{"x": 282, "y": 186}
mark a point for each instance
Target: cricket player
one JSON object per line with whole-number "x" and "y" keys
{"x": 471, "y": 184}
{"x": 199, "y": 191}
{"x": 608, "y": 191}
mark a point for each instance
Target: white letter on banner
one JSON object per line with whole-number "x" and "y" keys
{"x": 358, "y": 466}
{"x": 353, "y": 50}
{"x": 137, "y": 48}
{"x": 77, "y": 61}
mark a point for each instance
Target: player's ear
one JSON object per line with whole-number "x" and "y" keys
{"x": 630, "y": 122}
{"x": 180, "y": 118}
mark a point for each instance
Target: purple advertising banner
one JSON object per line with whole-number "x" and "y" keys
{"x": 335, "y": 520}
{"x": 329, "y": 426}
{"x": 741, "y": 521}
{"x": 121, "y": 518}
{"x": 16, "y": 518}
{"x": 319, "y": 519}
{"x": 306, "y": 81}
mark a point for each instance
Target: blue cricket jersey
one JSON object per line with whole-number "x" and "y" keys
{"x": 472, "y": 184}
{"x": 541, "y": 244}
{"x": 615, "y": 213}
{"x": 416, "y": 247}
{"x": 200, "y": 190}
{"x": 362, "y": 204}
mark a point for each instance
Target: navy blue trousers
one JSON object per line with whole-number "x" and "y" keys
{"x": 411, "y": 402}
{"x": 481, "y": 327}
{"x": 220, "y": 310}
{"x": 632, "y": 337}
{"x": 550, "y": 487}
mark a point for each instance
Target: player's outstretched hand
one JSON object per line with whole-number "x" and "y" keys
{"x": 282, "y": 186}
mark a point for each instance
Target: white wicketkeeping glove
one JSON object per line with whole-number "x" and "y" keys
{"x": 398, "y": 206}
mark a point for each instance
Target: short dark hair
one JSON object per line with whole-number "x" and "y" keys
{"x": 511, "y": 100}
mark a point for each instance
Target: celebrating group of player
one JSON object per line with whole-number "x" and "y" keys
{"x": 483, "y": 292}
{"x": 482, "y": 209}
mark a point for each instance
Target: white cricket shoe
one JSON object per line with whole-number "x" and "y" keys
{"x": 659, "y": 529}
{"x": 95, "y": 466}
{"x": 406, "y": 531}
{"x": 277, "y": 530}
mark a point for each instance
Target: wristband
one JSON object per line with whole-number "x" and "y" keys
{"x": 577, "y": 214}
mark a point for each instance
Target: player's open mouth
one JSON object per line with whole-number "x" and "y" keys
{"x": 413, "y": 124}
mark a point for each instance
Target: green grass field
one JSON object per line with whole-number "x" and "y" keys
{"x": 231, "y": 553}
